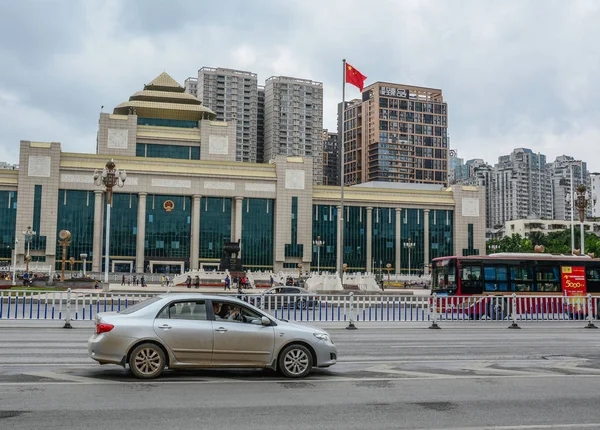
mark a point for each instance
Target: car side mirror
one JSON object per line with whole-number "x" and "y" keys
{"x": 265, "y": 321}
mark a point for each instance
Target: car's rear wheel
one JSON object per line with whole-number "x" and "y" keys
{"x": 295, "y": 361}
{"x": 147, "y": 361}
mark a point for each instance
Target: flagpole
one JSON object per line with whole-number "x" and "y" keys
{"x": 340, "y": 259}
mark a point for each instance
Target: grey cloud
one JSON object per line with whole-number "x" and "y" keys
{"x": 515, "y": 73}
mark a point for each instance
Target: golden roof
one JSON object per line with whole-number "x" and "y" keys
{"x": 164, "y": 98}
{"x": 178, "y": 111}
{"x": 164, "y": 82}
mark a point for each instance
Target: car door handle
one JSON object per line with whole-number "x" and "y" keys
{"x": 221, "y": 329}
{"x": 164, "y": 327}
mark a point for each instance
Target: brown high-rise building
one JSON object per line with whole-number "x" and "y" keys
{"x": 396, "y": 133}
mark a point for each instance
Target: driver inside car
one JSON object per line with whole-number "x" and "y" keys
{"x": 226, "y": 312}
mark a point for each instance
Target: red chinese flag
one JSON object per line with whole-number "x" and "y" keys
{"x": 354, "y": 77}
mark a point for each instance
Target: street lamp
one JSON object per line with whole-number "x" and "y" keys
{"x": 109, "y": 177}
{"x": 318, "y": 243}
{"x": 29, "y": 233}
{"x": 299, "y": 273}
{"x": 83, "y": 257}
{"x": 581, "y": 203}
{"x": 409, "y": 244}
{"x": 388, "y": 267}
{"x": 14, "y": 268}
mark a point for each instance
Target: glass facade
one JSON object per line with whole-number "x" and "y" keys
{"x": 257, "y": 234}
{"x": 441, "y": 233}
{"x": 37, "y": 241}
{"x": 161, "y": 122}
{"x": 8, "y": 215}
{"x": 294, "y": 249}
{"x": 152, "y": 150}
{"x": 413, "y": 227}
{"x": 384, "y": 237}
{"x": 355, "y": 238}
{"x": 325, "y": 225}
{"x": 215, "y": 225}
{"x": 168, "y": 227}
{"x": 470, "y": 250}
{"x": 76, "y": 214}
{"x": 123, "y": 227}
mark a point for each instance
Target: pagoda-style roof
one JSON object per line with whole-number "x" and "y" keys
{"x": 164, "y": 98}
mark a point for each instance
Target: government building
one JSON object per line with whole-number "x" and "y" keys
{"x": 185, "y": 194}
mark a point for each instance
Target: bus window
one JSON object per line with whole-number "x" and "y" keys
{"x": 444, "y": 276}
{"x": 470, "y": 280}
{"x": 496, "y": 278}
{"x": 592, "y": 277}
{"x": 547, "y": 279}
{"x": 521, "y": 276}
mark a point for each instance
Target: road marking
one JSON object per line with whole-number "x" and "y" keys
{"x": 62, "y": 377}
{"x": 524, "y": 427}
{"x": 328, "y": 380}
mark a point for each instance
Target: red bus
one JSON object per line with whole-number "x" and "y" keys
{"x": 505, "y": 274}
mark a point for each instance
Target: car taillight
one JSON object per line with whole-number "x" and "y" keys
{"x": 103, "y": 328}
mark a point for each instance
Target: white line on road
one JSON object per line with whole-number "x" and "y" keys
{"x": 524, "y": 427}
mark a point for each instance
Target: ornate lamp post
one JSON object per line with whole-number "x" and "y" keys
{"x": 409, "y": 244}
{"x": 318, "y": 243}
{"x": 109, "y": 177}
{"x": 581, "y": 202}
{"x": 388, "y": 267}
{"x": 83, "y": 257}
{"x": 29, "y": 233}
{"x": 299, "y": 273}
{"x": 14, "y": 260}
{"x": 65, "y": 240}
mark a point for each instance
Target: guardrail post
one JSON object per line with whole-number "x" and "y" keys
{"x": 513, "y": 312}
{"x": 590, "y": 312}
{"x": 351, "y": 325}
{"x": 68, "y": 313}
{"x": 434, "y": 324}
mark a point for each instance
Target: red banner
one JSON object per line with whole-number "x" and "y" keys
{"x": 573, "y": 281}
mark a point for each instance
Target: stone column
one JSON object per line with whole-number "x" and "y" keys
{"x": 140, "y": 246}
{"x": 98, "y": 221}
{"x": 194, "y": 252}
{"x": 339, "y": 246}
{"x": 426, "y": 244}
{"x": 398, "y": 240}
{"x": 369, "y": 239}
{"x": 239, "y": 201}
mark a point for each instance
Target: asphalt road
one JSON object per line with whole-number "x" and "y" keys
{"x": 390, "y": 376}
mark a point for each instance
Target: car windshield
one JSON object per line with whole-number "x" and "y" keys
{"x": 140, "y": 305}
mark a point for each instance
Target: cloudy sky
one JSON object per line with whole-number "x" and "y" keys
{"x": 515, "y": 73}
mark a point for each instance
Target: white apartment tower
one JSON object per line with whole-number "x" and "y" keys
{"x": 520, "y": 187}
{"x": 560, "y": 174}
{"x": 294, "y": 120}
{"x": 232, "y": 95}
{"x": 595, "y": 188}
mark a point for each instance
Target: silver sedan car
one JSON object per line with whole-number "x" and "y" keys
{"x": 200, "y": 331}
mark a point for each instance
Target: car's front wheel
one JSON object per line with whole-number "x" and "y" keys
{"x": 295, "y": 361}
{"x": 147, "y": 361}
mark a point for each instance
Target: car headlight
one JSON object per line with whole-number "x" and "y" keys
{"x": 322, "y": 336}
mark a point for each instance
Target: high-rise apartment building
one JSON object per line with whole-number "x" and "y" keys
{"x": 520, "y": 187}
{"x": 232, "y": 95}
{"x": 331, "y": 159}
{"x": 560, "y": 174}
{"x": 294, "y": 120}
{"x": 595, "y": 194}
{"x": 260, "y": 126}
{"x": 396, "y": 133}
{"x": 191, "y": 86}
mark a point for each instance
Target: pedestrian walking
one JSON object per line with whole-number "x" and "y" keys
{"x": 123, "y": 280}
{"x": 188, "y": 281}
{"x": 227, "y": 283}
{"x": 143, "y": 282}
{"x": 162, "y": 281}
{"x": 135, "y": 280}
{"x": 197, "y": 281}
{"x": 168, "y": 280}
{"x": 271, "y": 281}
